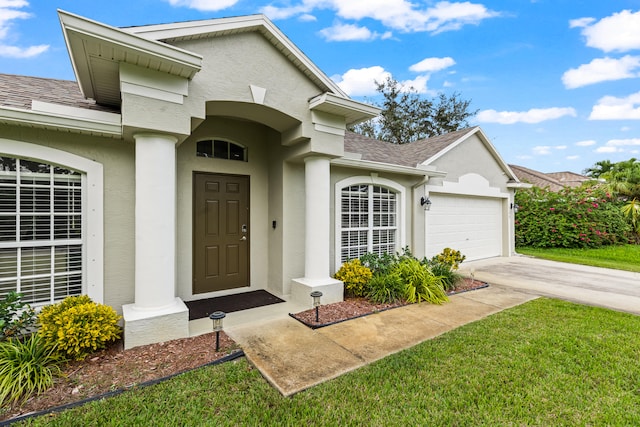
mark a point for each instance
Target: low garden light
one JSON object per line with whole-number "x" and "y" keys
{"x": 316, "y": 302}
{"x": 217, "y": 317}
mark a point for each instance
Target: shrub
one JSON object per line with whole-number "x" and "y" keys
{"x": 420, "y": 283}
{"x": 77, "y": 326}
{"x": 355, "y": 277}
{"x": 386, "y": 288}
{"x": 384, "y": 263}
{"x": 26, "y": 366}
{"x": 581, "y": 217}
{"x": 449, "y": 276}
{"x": 449, "y": 257}
{"x": 16, "y": 316}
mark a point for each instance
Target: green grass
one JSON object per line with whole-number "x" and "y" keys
{"x": 625, "y": 257}
{"x": 547, "y": 362}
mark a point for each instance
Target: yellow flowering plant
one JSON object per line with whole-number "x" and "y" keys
{"x": 355, "y": 277}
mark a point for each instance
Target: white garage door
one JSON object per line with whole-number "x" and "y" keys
{"x": 472, "y": 225}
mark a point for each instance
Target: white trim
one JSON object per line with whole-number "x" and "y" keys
{"x": 470, "y": 184}
{"x": 93, "y": 209}
{"x": 372, "y": 179}
{"x": 350, "y": 160}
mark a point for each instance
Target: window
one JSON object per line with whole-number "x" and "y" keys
{"x": 219, "y": 149}
{"x": 41, "y": 237}
{"x": 368, "y": 221}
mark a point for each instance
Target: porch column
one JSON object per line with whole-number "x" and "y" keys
{"x": 317, "y": 236}
{"x": 317, "y": 210}
{"x": 156, "y": 314}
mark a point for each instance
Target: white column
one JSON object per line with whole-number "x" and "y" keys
{"x": 317, "y": 215}
{"x": 155, "y": 221}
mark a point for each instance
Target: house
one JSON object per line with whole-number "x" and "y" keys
{"x": 554, "y": 181}
{"x": 208, "y": 158}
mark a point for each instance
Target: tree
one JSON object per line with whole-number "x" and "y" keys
{"x": 407, "y": 116}
{"x": 599, "y": 168}
{"x": 623, "y": 180}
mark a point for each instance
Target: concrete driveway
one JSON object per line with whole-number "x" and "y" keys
{"x": 614, "y": 289}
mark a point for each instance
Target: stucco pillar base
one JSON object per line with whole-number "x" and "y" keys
{"x": 332, "y": 290}
{"x": 148, "y": 326}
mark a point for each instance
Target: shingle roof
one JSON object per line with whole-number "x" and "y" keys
{"x": 19, "y": 91}
{"x": 570, "y": 179}
{"x": 400, "y": 154}
{"x": 539, "y": 179}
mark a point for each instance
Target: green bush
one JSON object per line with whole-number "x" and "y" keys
{"x": 16, "y": 316}
{"x": 27, "y": 366}
{"x": 583, "y": 217}
{"x": 77, "y": 326}
{"x": 420, "y": 283}
{"x": 384, "y": 263}
{"x": 386, "y": 288}
{"x": 449, "y": 276}
{"x": 355, "y": 277}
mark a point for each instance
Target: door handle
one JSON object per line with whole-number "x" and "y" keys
{"x": 243, "y": 238}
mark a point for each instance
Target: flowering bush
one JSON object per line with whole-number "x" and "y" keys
{"x": 580, "y": 217}
{"x": 78, "y": 326}
{"x": 355, "y": 277}
{"x": 449, "y": 257}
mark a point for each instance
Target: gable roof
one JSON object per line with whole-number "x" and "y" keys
{"x": 554, "y": 181}
{"x": 422, "y": 152}
{"x": 20, "y": 92}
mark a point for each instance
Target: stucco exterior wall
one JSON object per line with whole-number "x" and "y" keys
{"x": 117, "y": 159}
{"x": 471, "y": 156}
{"x": 232, "y": 63}
{"x": 255, "y": 138}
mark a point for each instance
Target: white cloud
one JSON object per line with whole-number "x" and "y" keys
{"x": 535, "y": 115}
{"x": 350, "y": 32}
{"x": 431, "y": 65}
{"x": 625, "y": 128}
{"x": 524, "y": 157}
{"x": 560, "y": 147}
{"x": 620, "y": 146}
{"x": 8, "y": 13}
{"x": 606, "y": 150}
{"x": 613, "y": 108}
{"x": 307, "y": 18}
{"x": 361, "y": 82}
{"x": 623, "y": 142}
{"x": 541, "y": 150}
{"x": 574, "y": 157}
{"x": 204, "y": 5}
{"x": 602, "y": 69}
{"x": 419, "y": 84}
{"x": 618, "y": 32}
{"x": 586, "y": 143}
{"x": 401, "y": 15}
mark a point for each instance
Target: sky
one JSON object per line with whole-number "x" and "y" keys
{"x": 556, "y": 82}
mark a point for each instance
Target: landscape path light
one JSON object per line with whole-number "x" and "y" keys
{"x": 217, "y": 317}
{"x": 316, "y": 302}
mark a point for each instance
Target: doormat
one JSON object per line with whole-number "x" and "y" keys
{"x": 230, "y": 303}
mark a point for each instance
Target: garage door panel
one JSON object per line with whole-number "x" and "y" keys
{"x": 472, "y": 225}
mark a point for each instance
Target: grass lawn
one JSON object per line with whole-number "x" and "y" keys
{"x": 625, "y": 257}
{"x": 547, "y": 362}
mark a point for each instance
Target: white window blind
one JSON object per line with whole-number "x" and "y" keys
{"x": 368, "y": 221}
{"x": 41, "y": 247}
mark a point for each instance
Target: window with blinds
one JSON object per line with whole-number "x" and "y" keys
{"x": 41, "y": 248}
{"x": 368, "y": 221}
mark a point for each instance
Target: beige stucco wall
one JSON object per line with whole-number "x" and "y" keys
{"x": 117, "y": 159}
{"x": 471, "y": 156}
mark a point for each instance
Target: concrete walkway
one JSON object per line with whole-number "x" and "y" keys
{"x": 293, "y": 357}
{"x": 602, "y": 287}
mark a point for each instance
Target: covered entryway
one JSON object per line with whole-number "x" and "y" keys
{"x": 472, "y": 225}
{"x": 220, "y": 232}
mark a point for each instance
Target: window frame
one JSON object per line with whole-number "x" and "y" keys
{"x": 230, "y": 144}
{"x": 92, "y": 205}
{"x": 370, "y": 181}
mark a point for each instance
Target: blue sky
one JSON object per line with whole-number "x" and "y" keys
{"x": 556, "y": 82}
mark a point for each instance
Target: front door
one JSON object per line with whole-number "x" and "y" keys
{"x": 220, "y": 232}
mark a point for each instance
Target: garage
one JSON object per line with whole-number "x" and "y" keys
{"x": 472, "y": 225}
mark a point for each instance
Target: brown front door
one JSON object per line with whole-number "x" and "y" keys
{"x": 220, "y": 232}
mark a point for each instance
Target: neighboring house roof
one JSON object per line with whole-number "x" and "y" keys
{"x": 555, "y": 181}
{"x": 21, "y": 91}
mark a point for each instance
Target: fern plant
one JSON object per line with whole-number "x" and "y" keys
{"x": 26, "y": 366}
{"x": 420, "y": 283}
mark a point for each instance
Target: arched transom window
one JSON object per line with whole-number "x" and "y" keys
{"x": 221, "y": 149}
{"x": 41, "y": 230}
{"x": 369, "y": 221}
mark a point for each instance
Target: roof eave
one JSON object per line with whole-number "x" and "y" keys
{"x": 90, "y": 43}
{"x": 353, "y": 111}
{"x": 386, "y": 167}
